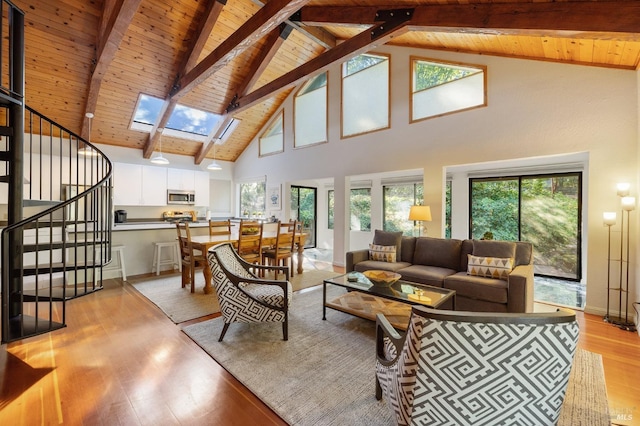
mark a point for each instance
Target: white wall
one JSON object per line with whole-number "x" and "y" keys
{"x": 535, "y": 109}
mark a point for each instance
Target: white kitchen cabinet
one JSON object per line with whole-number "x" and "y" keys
{"x": 127, "y": 184}
{"x": 154, "y": 186}
{"x": 201, "y": 183}
{"x": 181, "y": 179}
{"x": 137, "y": 185}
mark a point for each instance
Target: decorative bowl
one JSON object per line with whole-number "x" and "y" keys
{"x": 382, "y": 278}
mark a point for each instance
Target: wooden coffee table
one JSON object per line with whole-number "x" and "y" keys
{"x": 365, "y": 300}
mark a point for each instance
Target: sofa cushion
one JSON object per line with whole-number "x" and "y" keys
{"x": 386, "y": 238}
{"x": 375, "y": 264}
{"x": 423, "y": 274}
{"x": 524, "y": 253}
{"x": 490, "y": 248}
{"x": 382, "y": 253}
{"x": 490, "y": 267}
{"x": 477, "y": 288}
{"x": 441, "y": 252}
{"x": 408, "y": 247}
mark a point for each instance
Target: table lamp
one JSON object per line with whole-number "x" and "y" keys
{"x": 420, "y": 214}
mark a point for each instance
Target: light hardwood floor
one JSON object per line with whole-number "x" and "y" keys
{"x": 121, "y": 361}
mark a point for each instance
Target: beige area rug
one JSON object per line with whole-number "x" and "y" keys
{"x": 180, "y": 305}
{"x": 325, "y": 373}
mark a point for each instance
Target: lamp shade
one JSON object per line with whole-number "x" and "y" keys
{"x": 628, "y": 203}
{"x": 422, "y": 213}
{"x": 609, "y": 218}
{"x": 623, "y": 189}
{"x": 159, "y": 159}
{"x": 214, "y": 166}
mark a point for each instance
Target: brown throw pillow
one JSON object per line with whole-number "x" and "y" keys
{"x": 386, "y": 238}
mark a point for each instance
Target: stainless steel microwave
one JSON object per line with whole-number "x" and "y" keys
{"x": 176, "y": 196}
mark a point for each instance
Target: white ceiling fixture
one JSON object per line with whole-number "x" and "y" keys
{"x": 214, "y": 165}
{"x": 87, "y": 150}
{"x": 159, "y": 159}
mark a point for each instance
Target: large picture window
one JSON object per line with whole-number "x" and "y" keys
{"x": 441, "y": 88}
{"x": 397, "y": 201}
{"x": 542, "y": 209}
{"x": 252, "y": 199}
{"x": 310, "y": 112}
{"x": 360, "y": 208}
{"x": 365, "y": 94}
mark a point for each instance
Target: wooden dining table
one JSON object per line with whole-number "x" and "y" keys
{"x": 205, "y": 242}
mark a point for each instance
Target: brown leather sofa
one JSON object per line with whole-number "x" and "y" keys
{"x": 445, "y": 263}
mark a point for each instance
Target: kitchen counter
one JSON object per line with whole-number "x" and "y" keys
{"x": 138, "y": 226}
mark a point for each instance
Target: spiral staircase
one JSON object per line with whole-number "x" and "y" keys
{"x": 57, "y": 190}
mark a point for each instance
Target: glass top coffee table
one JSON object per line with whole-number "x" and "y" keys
{"x": 365, "y": 300}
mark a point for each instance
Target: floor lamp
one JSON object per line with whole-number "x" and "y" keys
{"x": 609, "y": 219}
{"x": 628, "y": 204}
{"x": 420, "y": 214}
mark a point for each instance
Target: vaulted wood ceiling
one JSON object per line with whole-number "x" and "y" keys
{"x": 241, "y": 58}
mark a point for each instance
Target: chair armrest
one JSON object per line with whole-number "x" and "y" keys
{"x": 354, "y": 257}
{"x": 386, "y": 334}
{"x": 520, "y": 290}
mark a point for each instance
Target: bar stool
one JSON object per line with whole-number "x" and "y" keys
{"x": 173, "y": 260}
{"x": 117, "y": 253}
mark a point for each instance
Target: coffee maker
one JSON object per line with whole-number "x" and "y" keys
{"x": 120, "y": 216}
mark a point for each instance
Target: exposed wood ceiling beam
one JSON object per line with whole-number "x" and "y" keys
{"x": 270, "y": 16}
{"x": 205, "y": 26}
{"x": 364, "y": 41}
{"x": 319, "y": 35}
{"x": 273, "y": 41}
{"x": 116, "y": 17}
{"x": 589, "y": 19}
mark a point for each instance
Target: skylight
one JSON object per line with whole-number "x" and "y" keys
{"x": 185, "y": 122}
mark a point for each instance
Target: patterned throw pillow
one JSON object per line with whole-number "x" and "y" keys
{"x": 490, "y": 267}
{"x": 382, "y": 253}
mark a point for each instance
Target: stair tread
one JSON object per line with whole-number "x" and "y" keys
{"x": 26, "y": 326}
{"x": 57, "y": 294}
{"x": 46, "y": 246}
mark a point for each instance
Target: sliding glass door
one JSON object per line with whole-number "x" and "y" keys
{"x": 542, "y": 209}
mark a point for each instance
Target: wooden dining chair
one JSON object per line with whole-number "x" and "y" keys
{"x": 190, "y": 259}
{"x": 250, "y": 241}
{"x": 284, "y": 247}
{"x": 220, "y": 227}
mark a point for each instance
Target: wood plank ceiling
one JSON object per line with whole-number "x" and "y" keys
{"x": 99, "y": 55}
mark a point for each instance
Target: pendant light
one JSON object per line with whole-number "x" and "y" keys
{"x": 87, "y": 150}
{"x": 159, "y": 159}
{"x": 214, "y": 165}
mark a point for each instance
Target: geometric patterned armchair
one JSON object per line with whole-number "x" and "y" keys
{"x": 242, "y": 296}
{"x": 474, "y": 368}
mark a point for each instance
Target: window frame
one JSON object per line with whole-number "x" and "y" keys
{"x": 143, "y": 127}
{"x": 414, "y": 59}
{"x": 298, "y": 94}
{"x": 279, "y": 149}
{"x": 342, "y": 94}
